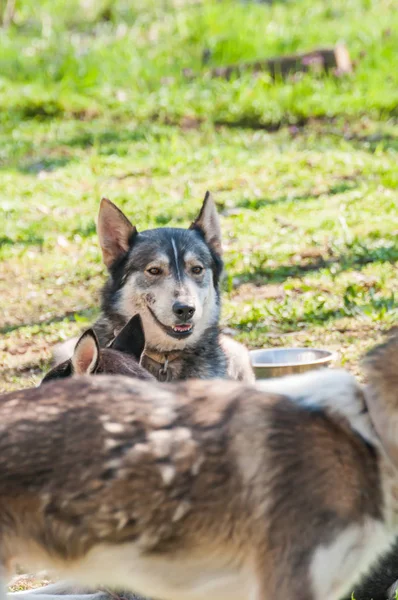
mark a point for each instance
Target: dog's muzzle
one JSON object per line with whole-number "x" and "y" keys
{"x": 179, "y": 330}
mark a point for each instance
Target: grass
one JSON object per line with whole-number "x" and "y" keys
{"x": 304, "y": 171}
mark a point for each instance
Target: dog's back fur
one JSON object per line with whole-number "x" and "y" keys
{"x": 202, "y": 489}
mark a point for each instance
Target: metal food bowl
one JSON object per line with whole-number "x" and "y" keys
{"x": 276, "y": 362}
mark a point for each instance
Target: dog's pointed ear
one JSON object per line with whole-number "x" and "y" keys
{"x": 131, "y": 339}
{"x": 114, "y": 231}
{"x": 208, "y": 222}
{"x": 85, "y": 357}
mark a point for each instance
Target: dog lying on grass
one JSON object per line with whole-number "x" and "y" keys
{"x": 171, "y": 277}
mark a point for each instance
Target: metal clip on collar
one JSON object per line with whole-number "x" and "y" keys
{"x": 164, "y": 372}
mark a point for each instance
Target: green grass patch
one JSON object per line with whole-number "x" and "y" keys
{"x": 93, "y": 104}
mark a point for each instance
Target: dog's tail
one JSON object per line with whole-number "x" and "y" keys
{"x": 381, "y": 368}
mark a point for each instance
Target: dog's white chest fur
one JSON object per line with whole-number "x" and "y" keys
{"x": 335, "y": 568}
{"x": 125, "y": 567}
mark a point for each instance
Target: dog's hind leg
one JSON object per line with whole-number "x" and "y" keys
{"x": 52, "y": 589}
{"x": 27, "y": 595}
{"x": 3, "y": 589}
{"x": 282, "y": 578}
{"x": 60, "y": 590}
{"x": 66, "y": 591}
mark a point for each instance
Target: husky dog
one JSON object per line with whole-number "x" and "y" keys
{"x": 204, "y": 489}
{"x": 120, "y": 357}
{"x": 171, "y": 277}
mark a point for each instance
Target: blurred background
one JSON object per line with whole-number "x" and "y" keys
{"x": 96, "y": 100}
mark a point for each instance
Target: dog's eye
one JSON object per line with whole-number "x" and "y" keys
{"x": 154, "y": 271}
{"x": 197, "y": 270}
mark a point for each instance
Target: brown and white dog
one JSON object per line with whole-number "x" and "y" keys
{"x": 122, "y": 356}
{"x": 204, "y": 489}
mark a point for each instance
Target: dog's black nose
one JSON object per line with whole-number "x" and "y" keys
{"x": 183, "y": 311}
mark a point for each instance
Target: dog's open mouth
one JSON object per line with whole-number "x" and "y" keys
{"x": 179, "y": 331}
{"x": 182, "y": 328}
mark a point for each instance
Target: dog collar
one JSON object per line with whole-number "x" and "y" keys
{"x": 163, "y": 359}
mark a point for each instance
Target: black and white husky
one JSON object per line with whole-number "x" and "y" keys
{"x": 171, "y": 277}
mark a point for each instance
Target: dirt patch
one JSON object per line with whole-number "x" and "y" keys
{"x": 250, "y": 291}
